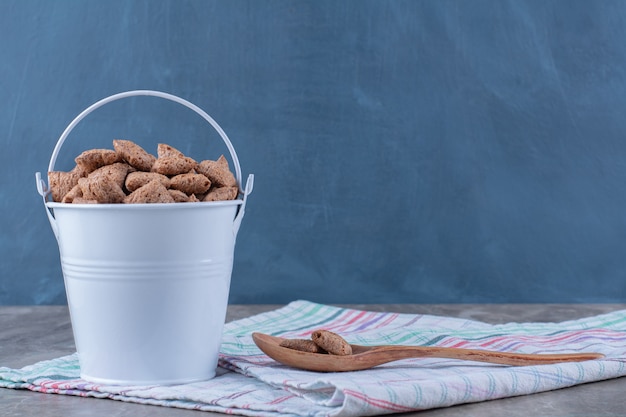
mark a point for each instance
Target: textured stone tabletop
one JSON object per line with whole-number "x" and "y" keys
{"x": 31, "y": 334}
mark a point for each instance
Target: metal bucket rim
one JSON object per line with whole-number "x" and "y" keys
{"x": 144, "y": 206}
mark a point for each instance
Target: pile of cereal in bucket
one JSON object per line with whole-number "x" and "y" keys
{"x": 129, "y": 174}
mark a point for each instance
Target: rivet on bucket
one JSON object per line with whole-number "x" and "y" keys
{"x": 147, "y": 284}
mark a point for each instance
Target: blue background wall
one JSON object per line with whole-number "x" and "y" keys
{"x": 404, "y": 151}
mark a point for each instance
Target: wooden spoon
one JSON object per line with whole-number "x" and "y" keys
{"x": 365, "y": 357}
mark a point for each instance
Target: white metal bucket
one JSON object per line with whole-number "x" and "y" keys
{"x": 147, "y": 284}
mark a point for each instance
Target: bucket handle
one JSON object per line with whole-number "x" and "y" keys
{"x": 44, "y": 190}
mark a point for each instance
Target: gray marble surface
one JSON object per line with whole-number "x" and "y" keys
{"x": 31, "y": 334}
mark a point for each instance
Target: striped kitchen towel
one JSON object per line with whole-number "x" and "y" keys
{"x": 250, "y": 383}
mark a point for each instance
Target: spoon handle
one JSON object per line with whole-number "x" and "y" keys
{"x": 504, "y": 358}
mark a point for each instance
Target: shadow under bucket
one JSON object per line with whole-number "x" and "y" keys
{"x": 147, "y": 284}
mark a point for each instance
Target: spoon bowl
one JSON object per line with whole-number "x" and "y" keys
{"x": 365, "y": 357}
